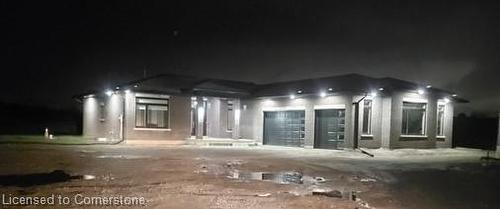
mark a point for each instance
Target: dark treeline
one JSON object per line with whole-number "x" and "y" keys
{"x": 27, "y": 119}
{"x": 475, "y": 132}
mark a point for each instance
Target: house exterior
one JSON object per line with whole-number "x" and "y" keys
{"x": 337, "y": 112}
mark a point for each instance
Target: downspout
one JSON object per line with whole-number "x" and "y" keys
{"x": 356, "y": 122}
{"x": 122, "y": 122}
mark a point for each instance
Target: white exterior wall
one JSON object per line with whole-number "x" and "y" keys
{"x": 252, "y": 118}
{"x": 179, "y": 120}
{"x": 386, "y": 119}
{"x": 248, "y": 124}
{"x": 98, "y": 123}
{"x": 109, "y": 126}
{"x": 217, "y": 118}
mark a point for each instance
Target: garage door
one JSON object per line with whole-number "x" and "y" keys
{"x": 284, "y": 128}
{"x": 329, "y": 129}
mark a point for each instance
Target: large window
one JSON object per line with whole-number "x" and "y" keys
{"x": 367, "y": 117}
{"x": 413, "y": 118}
{"x": 151, "y": 113}
{"x": 440, "y": 120}
{"x": 230, "y": 115}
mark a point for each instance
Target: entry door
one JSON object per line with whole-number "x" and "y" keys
{"x": 194, "y": 118}
{"x": 329, "y": 130}
{"x": 284, "y": 128}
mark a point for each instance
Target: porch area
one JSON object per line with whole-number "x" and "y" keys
{"x": 221, "y": 142}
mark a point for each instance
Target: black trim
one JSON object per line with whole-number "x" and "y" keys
{"x": 146, "y": 111}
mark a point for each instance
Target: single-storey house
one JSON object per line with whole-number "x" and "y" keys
{"x": 346, "y": 111}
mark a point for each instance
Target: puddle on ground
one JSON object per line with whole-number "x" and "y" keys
{"x": 289, "y": 177}
{"x": 128, "y": 157}
{"x": 35, "y": 179}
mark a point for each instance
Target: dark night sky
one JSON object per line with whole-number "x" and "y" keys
{"x": 55, "y": 49}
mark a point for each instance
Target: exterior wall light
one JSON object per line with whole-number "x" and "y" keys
{"x": 117, "y": 88}
{"x": 454, "y": 95}
{"x": 380, "y": 89}
{"x": 299, "y": 92}
{"x": 268, "y": 102}
{"x": 428, "y": 86}
{"x": 330, "y": 89}
{"x": 109, "y": 93}
{"x": 420, "y": 91}
{"x": 128, "y": 91}
{"x": 136, "y": 85}
{"x": 446, "y": 100}
{"x": 292, "y": 96}
{"x": 193, "y": 98}
{"x": 373, "y": 94}
{"x": 322, "y": 94}
{"x": 205, "y": 99}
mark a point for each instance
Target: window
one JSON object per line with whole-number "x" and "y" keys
{"x": 102, "y": 111}
{"x": 367, "y": 117}
{"x": 440, "y": 120}
{"x": 413, "y": 118}
{"x": 151, "y": 113}
{"x": 229, "y": 116}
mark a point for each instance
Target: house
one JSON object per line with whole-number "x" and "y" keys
{"x": 346, "y": 111}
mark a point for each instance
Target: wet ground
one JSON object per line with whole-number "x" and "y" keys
{"x": 258, "y": 177}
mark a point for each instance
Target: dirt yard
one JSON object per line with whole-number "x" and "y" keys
{"x": 258, "y": 177}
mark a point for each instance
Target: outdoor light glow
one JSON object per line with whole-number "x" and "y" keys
{"x": 322, "y": 94}
{"x": 428, "y": 86}
{"x": 268, "y": 102}
{"x": 205, "y": 99}
{"x": 136, "y": 85}
{"x": 109, "y": 92}
{"x": 299, "y": 92}
{"x": 380, "y": 89}
{"x": 373, "y": 94}
{"x": 237, "y": 114}
{"x": 117, "y": 88}
{"x": 330, "y": 89}
{"x": 292, "y": 96}
{"x": 201, "y": 114}
{"x": 446, "y": 100}
{"x": 454, "y": 95}
{"x": 193, "y": 98}
{"x": 420, "y": 91}
{"x": 127, "y": 91}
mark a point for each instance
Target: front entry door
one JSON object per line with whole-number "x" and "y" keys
{"x": 329, "y": 129}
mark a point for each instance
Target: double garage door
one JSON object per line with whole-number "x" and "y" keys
{"x": 287, "y": 128}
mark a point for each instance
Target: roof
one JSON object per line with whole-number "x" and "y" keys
{"x": 183, "y": 84}
{"x": 347, "y": 83}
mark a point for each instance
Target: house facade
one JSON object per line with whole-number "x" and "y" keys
{"x": 338, "y": 112}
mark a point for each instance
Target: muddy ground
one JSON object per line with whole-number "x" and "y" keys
{"x": 259, "y": 177}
